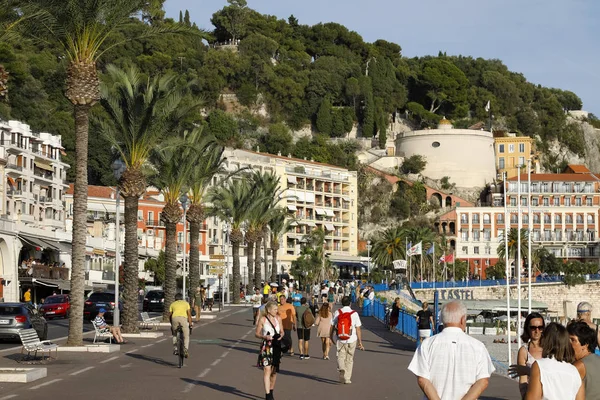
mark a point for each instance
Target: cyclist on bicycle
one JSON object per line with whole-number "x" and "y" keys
{"x": 180, "y": 314}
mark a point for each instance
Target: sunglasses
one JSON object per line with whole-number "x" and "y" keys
{"x": 536, "y": 327}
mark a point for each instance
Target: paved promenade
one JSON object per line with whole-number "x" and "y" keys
{"x": 222, "y": 366}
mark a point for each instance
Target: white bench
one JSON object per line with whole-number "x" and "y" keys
{"x": 33, "y": 344}
{"x": 98, "y": 334}
{"x": 148, "y": 321}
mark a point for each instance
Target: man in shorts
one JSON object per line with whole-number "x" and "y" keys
{"x": 180, "y": 314}
{"x": 425, "y": 322}
{"x": 209, "y": 297}
{"x": 197, "y": 299}
{"x": 302, "y": 331}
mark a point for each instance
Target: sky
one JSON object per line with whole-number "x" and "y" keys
{"x": 551, "y": 42}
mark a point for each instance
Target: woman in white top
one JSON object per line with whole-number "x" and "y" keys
{"x": 530, "y": 351}
{"x": 554, "y": 377}
{"x": 268, "y": 329}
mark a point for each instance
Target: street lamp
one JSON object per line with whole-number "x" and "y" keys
{"x": 368, "y": 256}
{"x": 184, "y": 200}
{"x": 118, "y": 167}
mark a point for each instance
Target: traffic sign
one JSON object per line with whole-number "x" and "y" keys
{"x": 216, "y": 271}
{"x": 216, "y": 257}
{"x": 216, "y": 264}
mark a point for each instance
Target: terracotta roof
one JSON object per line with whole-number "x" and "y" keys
{"x": 106, "y": 192}
{"x": 581, "y": 177}
{"x": 577, "y": 169}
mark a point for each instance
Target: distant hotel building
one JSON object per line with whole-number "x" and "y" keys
{"x": 513, "y": 151}
{"x": 564, "y": 219}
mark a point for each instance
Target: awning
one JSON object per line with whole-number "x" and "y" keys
{"x": 44, "y": 165}
{"x": 319, "y": 211}
{"x": 329, "y": 213}
{"x": 42, "y": 282}
{"x": 329, "y": 227}
{"x": 293, "y": 223}
{"x": 291, "y": 208}
{"x": 292, "y": 179}
{"x": 63, "y": 247}
{"x": 33, "y": 241}
{"x": 310, "y": 223}
{"x": 346, "y": 199}
{"x": 11, "y": 181}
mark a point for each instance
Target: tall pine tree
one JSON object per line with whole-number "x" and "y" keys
{"x": 325, "y": 118}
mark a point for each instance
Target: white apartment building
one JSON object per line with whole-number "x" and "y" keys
{"x": 318, "y": 195}
{"x": 32, "y": 210}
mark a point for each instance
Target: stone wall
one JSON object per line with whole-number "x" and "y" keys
{"x": 561, "y": 299}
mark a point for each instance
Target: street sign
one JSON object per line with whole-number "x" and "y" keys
{"x": 216, "y": 271}
{"x": 216, "y": 257}
{"x": 216, "y": 264}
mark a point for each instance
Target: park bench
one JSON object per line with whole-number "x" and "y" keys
{"x": 33, "y": 344}
{"x": 98, "y": 333}
{"x": 148, "y": 321}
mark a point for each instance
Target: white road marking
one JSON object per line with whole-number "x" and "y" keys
{"x": 148, "y": 345}
{"x": 10, "y": 396}
{"x": 110, "y": 359}
{"x": 214, "y": 363}
{"x": 244, "y": 337}
{"x": 188, "y": 388}
{"x": 45, "y": 384}
{"x": 161, "y": 340}
{"x": 132, "y": 351}
{"x": 126, "y": 365}
{"x": 250, "y": 331}
{"x": 81, "y": 371}
{"x": 204, "y": 373}
{"x": 224, "y": 354}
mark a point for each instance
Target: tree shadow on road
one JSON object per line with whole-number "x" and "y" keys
{"x": 231, "y": 323}
{"x": 244, "y": 349}
{"x": 221, "y": 388}
{"x": 310, "y": 377}
{"x": 154, "y": 360}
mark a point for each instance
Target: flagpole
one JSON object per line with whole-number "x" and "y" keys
{"x": 529, "y": 235}
{"x": 508, "y": 269}
{"x": 421, "y": 268}
{"x": 454, "y": 267}
{"x": 433, "y": 264}
{"x": 519, "y": 255}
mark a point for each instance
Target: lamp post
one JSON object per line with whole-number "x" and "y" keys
{"x": 184, "y": 200}
{"x": 118, "y": 167}
{"x": 226, "y": 253}
{"x": 368, "y": 256}
{"x": 323, "y": 264}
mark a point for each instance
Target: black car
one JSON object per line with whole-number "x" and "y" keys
{"x": 154, "y": 301}
{"x": 98, "y": 300}
{"x": 16, "y": 316}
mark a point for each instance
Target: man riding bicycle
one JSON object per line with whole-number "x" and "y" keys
{"x": 180, "y": 314}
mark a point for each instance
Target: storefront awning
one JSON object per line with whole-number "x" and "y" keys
{"x": 33, "y": 241}
{"x": 44, "y": 165}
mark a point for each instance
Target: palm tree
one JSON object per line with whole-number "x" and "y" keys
{"x": 279, "y": 225}
{"x": 388, "y": 246}
{"x": 513, "y": 245}
{"x": 172, "y": 165}
{"x": 140, "y": 111}
{"x": 209, "y": 164}
{"x": 230, "y": 203}
{"x": 84, "y": 30}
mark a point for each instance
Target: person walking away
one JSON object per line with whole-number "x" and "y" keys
{"x": 203, "y": 297}
{"x": 583, "y": 339}
{"x": 340, "y": 293}
{"x": 209, "y": 297}
{"x": 269, "y": 330}
{"x": 530, "y": 351}
{"x": 395, "y": 314}
{"x": 424, "y": 321}
{"x": 197, "y": 303}
{"x": 180, "y": 314}
{"x": 304, "y": 320}
{"x": 346, "y": 335}
{"x": 323, "y": 323}
{"x": 554, "y": 377}
{"x": 266, "y": 290}
{"x": 287, "y": 314}
{"x": 27, "y": 296}
{"x": 331, "y": 296}
{"x": 257, "y": 300}
{"x": 584, "y": 313}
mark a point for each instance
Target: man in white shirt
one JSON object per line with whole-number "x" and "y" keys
{"x": 346, "y": 348}
{"x": 210, "y": 292}
{"x": 452, "y": 365}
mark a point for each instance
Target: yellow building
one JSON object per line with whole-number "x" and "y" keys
{"x": 511, "y": 151}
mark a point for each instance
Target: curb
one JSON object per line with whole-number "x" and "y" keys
{"x": 91, "y": 348}
{"x": 143, "y": 335}
{"x": 22, "y": 375}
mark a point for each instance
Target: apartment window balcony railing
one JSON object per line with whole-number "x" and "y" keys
{"x": 464, "y": 220}
{"x": 43, "y": 175}
{"x": 337, "y": 191}
{"x": 310, "y": 187}
{"x": 108, "y": 276}
{"x": 346, "y": 207}
{"x": 154, "y": 222}
{"x": 14, "y": 166}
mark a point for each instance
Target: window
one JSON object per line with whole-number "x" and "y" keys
{"x": 501, "y": 163}
{"x": 501, "y": 149}
{"x": 476, "y": 235}
{"x": 547, "y": 219}
{"x": 151, "y": 216}
{"x": 567, "y": 201}
{"x": 465, "y": 250}
{"x": 500, "y": 218}
{"x": 580, "y": 219}
{"x": 556, "y": 201}
{"x": 486, "y": 218}
{"x": 511, "y": 148}
{"x": 140, "y": 215}
{"x": 435, "y": 145}
{"x": 536, "y": 218}
{"x": 521, "y": 147}
{"x": 578, "y": 201}
{"x": 558, "y": 218}
{"x": 524, "y": 201}
{"x": 590, "y": 219}
{"x": 569, "y": 219}
{"x": 487, "y": 235}
{"x": 475, "y": 218}
{"x": 476, "y": 250}
{"x": 179, "y": 237}
{"x": 525, "y": 218}
{"x": 464, "y": 236}
{"x": 535, "y": 202}
{"x": 521, "y": 160}
{"x": 588, "y": 201}
{"x": 513, "y": 201}
{"x": 546, "y": 201}
{"x": 488, "y": 251}
{"x": 464, "y": 219}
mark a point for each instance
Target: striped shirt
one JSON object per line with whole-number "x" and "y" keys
{"x": 100, "y": 323}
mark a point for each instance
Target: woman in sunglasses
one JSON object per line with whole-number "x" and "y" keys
{"x": 530, "y": 351}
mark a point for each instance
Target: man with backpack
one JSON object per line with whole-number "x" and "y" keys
{"x": 346, "y": 334}
{"x": 305, "y": 319}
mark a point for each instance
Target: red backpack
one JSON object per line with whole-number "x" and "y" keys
{"x": 344, "y": 325}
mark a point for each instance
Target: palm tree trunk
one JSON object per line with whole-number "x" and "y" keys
{"x": 194, "y": 262}
{"x": 130, "y": 267}
{"x": 170, "y": 285}
{"x": 250, "y": 265}
{"x": 79, "y": 226}
{"x": 274, "y": 248}
{"x": 235, "y": 249}
{"x": 257, "y": 267}
{"x": 266, "y": 259}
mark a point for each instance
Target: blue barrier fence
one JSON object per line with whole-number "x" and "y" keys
{"x": 407, "y": 323}
{"x": 490, "y": 282}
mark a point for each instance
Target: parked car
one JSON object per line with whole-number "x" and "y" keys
{"x": 154, "y": 301}
{"x": 98, "y": 300}
{"x": 56, "y": 306}
{"x": 16, "y": 316}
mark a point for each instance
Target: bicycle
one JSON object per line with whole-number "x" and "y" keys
{"x": 180, "y": 347}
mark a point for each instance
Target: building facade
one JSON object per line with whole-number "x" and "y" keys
{"x": 513, "y": 151}
{"x": 563, "y": 220}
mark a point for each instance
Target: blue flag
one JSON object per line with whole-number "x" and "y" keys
{"x": 409, "y": 245}
{"x": 431, "y": 249}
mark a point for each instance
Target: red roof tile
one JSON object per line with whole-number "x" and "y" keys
{"x": 577, "y": 169}
{"x": 567, "y": 177}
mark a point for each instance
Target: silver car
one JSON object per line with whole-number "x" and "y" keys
{"x": 16, "y": 316}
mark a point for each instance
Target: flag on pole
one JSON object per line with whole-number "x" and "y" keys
{"x": 443, "y": 258}
{"x": 400, "y": 264}
{"x": 417, "y": 249}
{"x": 449, "y": 258}
{"x": 487, "y": 107}
{"x": 431, "y": 249}
{"x": 408, "y": 246}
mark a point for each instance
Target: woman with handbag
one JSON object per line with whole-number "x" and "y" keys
{"x": 269, "y": 329}
{"x": 323, "y": 323}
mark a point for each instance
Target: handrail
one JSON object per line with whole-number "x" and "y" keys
{"x": 407, "y": 323}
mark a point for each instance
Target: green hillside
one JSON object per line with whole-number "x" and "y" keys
{"x": 324, "y": 75}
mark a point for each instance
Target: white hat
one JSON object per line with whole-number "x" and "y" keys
{"x": 274, "y": 284}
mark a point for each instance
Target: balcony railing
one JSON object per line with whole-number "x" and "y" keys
{"x": 14, "y": 166}
{"x": 44, "y": 272}
{"x": 154, "y": 222}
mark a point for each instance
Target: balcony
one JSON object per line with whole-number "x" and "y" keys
{"x": 14, "y": 167}
{"x": 14, "y": 147}
{"x": 41, "y": 271}
{"x": 47, "y": 176}
{"x": 154, "y": 222}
